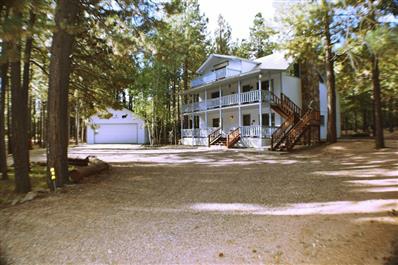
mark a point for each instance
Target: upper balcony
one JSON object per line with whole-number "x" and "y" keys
{"x": 228, "y": 100}
{"x": 214, "y": 76}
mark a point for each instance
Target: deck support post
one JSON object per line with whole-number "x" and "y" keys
{"x": 220, "y": 111}
{"x": 182, "y": 127}
{"x": 239, "y": 109}
{"x": 270, "y": 110}
{"x": 206, "y": 113}
{"x": 260, "y": 109}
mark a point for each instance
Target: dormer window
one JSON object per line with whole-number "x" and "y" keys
{"x": 220, "y": 65}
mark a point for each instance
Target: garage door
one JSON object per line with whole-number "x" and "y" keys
{"x": 116, "y": 134}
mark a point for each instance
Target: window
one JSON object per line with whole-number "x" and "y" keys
{"x": 221, "y": 65}
{"x": 185, "y": 124}
{"x": 246, "y": 120}
{"x": 265, "y": 85}
{"x": 246, "y": 88}
{"x": 190, "y": 124}
{"x": 272, "y": 119}
{"x": 215, "y": 94}
{"x": 196, "y": 122}
{"x": 265, "y": 119}
{"x": 216, "y": 122}
{"x": 322, "y": 120}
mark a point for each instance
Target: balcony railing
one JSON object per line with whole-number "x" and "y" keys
{"x": 257, "y": 130}
{"x": 245, "y": 131}
{"x": 229, "y": 100}
{"x": 214, "y": 76}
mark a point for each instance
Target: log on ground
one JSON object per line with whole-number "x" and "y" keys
{"x": 79, "y": 173}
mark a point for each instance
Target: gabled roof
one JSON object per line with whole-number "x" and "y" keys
{"x": 275, "y": 61}
{"x": 215, "y": 56}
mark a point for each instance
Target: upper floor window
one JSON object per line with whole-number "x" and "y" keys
{"x": 246, "y": 88}
{"x": 195, "y": 97}
{"x": 265, "y": 85}
{"x": 220, "y": 65}
{"x": 215, "y": 94}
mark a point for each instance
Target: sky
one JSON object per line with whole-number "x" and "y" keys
{"x": 239, "y": 14}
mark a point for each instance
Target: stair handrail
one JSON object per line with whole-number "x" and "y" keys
{"x": 232, "y": 137}
{"x": 285, "y": 103}
{"x": 214, "y": 135}
{"x": 281, "y": 132}
{"x": 298, "y": 129}
{"x": 293, "y": 106}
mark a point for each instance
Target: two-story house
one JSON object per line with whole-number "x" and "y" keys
{"x": 251, "y": 103}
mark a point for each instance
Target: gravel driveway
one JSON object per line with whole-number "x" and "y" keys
{"x": 328, "y": 205}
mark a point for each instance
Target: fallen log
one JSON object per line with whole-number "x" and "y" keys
{"x": 81, "y": 162}
{"x": 79, "y": 173}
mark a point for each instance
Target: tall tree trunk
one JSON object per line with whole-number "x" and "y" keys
{"x": 19, "y": 121}
{"x": 60, "y": 67}
{"x": 3, "y": 89}
{"x": 26, "y": 74}
{"x": 330, "y": 77}
{"x": 378, "y": 121}
{"x": 9, "y": 118}
{"x": 309, "y": 85}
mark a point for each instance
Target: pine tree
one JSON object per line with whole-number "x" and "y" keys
{"x": 260, "y": 34}
{"x": 222, "y": 40}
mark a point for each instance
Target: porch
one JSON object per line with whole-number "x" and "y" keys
{"x": 255, "y": 131}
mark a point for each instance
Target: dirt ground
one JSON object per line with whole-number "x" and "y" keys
{"x": 332, "y": 204}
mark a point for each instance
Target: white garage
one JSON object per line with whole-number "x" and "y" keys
{"x": 116, "y": 127}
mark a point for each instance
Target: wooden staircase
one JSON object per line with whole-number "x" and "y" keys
{"x": 296, "y": 123}
{"x": 216, "y": 138}
{"x": 233, "y": 137}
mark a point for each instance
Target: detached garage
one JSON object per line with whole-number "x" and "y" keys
{"x": 116, "y": 127}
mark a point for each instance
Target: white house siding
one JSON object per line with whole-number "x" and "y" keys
{"x": 194, "y": 141}
{"x": 123, "y": 127}
{"x": 338, "y": 115}
{"x": 246, "y": 66}
{"x": 323, "y": 97}
{"x": 292, "y": 88}
{"x": 235, "y": 65}
{"x": 323, "y": 100}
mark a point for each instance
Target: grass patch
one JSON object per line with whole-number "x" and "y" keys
{"x": 37, "y": 174}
